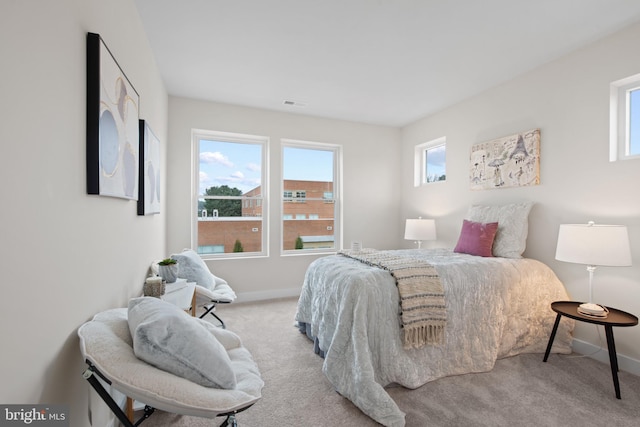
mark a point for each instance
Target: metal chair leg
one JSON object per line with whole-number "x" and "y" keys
{"x": 209, "y": 310}
{"x": 90, "y": 375}
{"x": 230, "y": 421}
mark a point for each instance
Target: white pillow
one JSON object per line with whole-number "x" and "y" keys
{"x": 513, "y": 226}
{"x": 193, "y": 268}
{"x": 168, "y": 338}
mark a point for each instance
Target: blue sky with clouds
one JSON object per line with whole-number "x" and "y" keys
{"x": 234, "y": 164}
{"x": 239, "y": 165}
{"x": 436, "y": 161}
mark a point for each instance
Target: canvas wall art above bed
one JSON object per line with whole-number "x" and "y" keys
{"x": 493, "y": 307}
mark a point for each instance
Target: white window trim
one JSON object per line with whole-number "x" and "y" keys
{"x": 337, "y": 194}
{"x": 619, "y": 118}
{"x": 419, "y": 160}
{"x": 196, "y": 135}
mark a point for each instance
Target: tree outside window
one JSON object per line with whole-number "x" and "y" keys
{"x": 229, "y": 202}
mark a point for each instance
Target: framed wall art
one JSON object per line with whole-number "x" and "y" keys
{"x": 149, "y": 181}
{"x": 512, "y": 161}
{"x": 112, "y": 125}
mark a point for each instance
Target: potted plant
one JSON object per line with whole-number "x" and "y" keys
{"x": 168, "y": 270}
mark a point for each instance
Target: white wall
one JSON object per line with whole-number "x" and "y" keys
{"x": 568, "y": 100}
{"x": 371, "y": 186}
{"x": 69, "y": 255}
{"x": 66, "y": 255}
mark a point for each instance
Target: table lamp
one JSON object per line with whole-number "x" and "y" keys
{"x": 419, "y": 230}
{"x": 593, "y": 245}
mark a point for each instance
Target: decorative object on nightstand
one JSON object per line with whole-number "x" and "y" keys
{"x": 593, "y": 245}
{"x": 168, "y": 270}
{"x": 419, "y": 230}
{"x": 153, "y": 287}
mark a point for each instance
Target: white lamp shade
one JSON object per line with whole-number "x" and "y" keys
{"x": 420, "y": 229}
{"x": 594, "y": 244}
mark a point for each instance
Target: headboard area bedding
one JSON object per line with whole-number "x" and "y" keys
{"x": 494, "y": 307}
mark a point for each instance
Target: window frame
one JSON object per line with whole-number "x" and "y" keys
{"x": 200, "y": 134}
{"x": 619, "y": 121}
{"x": 420, "y": 161}
{"x": 336, "y": 149}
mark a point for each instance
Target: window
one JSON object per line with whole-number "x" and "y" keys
{"x": 210, "y": 249}
{"x": 311, "y": 197}
{"x": 624, "y": 128}
{"x": 430, "y": 162}
{"x": 229, "y": 200}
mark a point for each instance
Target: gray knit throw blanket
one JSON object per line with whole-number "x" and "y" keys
{"x": 422, "y": 304}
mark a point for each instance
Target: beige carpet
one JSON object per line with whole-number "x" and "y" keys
{"x": 519, "y": 391}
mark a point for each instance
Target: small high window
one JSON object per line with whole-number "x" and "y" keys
{"x": 430, "y": 162}
{"x": 624, "y": 128}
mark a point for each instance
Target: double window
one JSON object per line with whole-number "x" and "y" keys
{"x": 230, "y": 197}
{"x": 624, "y": 140}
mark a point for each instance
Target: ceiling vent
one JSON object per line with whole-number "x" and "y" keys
{"x": 294, "y": 103}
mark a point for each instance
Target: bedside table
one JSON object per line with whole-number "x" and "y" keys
{"x": 615, "y": 318}
{"x": 180, "y": 293}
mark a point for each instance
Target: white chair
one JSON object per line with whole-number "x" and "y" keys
{"x": 209, "y": 299}
{"x": 106, "y": 345}
{"x": 210, "y": 290}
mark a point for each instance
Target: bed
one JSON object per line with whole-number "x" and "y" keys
{"x": 496, "y": 307}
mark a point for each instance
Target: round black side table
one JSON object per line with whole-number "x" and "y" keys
{"x": 615, "y": 318}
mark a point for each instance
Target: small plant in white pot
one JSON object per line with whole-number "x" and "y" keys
{"x": 168, "y": 270}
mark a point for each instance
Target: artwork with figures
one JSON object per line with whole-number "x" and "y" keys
{"x": 512, "y": 161}
{"x": 112, "y": 125}
{"x": 149, "y": 182}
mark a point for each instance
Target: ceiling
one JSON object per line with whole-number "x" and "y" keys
{"x": 387, "y": 62}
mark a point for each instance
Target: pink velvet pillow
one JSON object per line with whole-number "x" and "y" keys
{"x": 476, "y": 238}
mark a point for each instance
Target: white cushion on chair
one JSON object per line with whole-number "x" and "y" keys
{"x": 222, "y": 293}
{"x": 194, "y": 269}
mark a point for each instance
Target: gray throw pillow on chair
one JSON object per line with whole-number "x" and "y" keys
{"x": 170, "y": 339}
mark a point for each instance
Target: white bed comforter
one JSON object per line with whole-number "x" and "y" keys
{"x": 496, "y": 307}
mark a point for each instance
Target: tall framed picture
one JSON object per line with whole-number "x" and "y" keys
{"x": 149, "y": 181}
{"x": 112, "y": 125}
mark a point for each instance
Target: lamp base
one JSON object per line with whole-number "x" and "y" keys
{"x": 591, "y": 309}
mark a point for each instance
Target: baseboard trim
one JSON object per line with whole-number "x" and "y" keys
{"x": 625, "y": 363}
{"x": 267, "y": 295}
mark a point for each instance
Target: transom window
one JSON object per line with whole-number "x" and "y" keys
{"x": 624, "y": 128}
{"x": 430, "y": 162}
